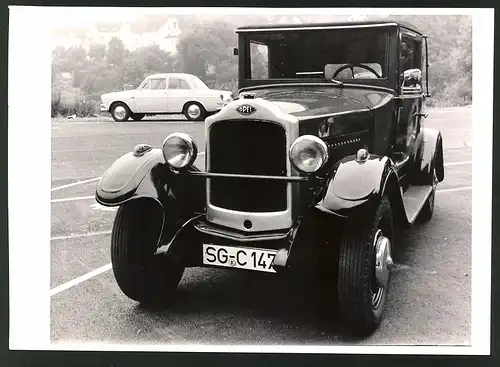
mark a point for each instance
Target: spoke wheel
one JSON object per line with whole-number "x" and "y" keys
{"x": 364, "y": 272}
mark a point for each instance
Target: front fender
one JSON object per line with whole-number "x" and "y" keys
{"x": 149, "y": 176}
{"x": 355, "y": 188}
{"x": 126, "y": 178}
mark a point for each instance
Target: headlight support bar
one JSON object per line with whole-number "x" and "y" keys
{"x": 251, "y": 177}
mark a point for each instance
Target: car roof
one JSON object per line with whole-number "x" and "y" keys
{"x": 164, "y": 75}
{"x": 326, "y": 25}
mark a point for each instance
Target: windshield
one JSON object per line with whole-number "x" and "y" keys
{"x": 198, "y": 84}
{"x": 304, "y": 54}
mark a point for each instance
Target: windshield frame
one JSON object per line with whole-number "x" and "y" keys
{"x": 245, "y": 80}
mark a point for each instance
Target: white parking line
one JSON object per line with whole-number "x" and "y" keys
{"x": 79, "y": 235}
{"x": 107, "y": 267}
{"x": 79, "y": 280}
{"x": 457, "y": 163}
{"x": 74, "y": 184}
{"x": 84, "y": 181}
{"x": 455, "y": 189}
{"x": 72, "y": 199}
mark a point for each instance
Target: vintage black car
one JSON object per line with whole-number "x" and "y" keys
{"x": 308, "y": 171}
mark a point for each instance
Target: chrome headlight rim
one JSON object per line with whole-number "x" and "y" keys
{"x": 315, "y": 141}
{"x": 192, "y": 149}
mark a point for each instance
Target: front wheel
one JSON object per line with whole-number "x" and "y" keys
{"x": 140, "y": 274}
{"x": 120, "y": 112}
{"x": 364, "y": 271}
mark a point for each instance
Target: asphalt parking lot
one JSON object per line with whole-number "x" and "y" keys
{"x": 431, "y": 288}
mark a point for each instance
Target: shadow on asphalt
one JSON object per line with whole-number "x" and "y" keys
{"x": 248, "y": 295}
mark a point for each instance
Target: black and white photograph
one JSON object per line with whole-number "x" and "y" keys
{"x": 256, "y": 180}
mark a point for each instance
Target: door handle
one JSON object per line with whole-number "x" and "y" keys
{"x": 419, "y": 114}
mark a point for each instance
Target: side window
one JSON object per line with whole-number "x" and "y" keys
{"x": 259, "y": 61}
{"x": 410, "y": 54}
{"x": 173, "y": 83}
{"x": 183, "y": 84}
{"x": 145, "y": 85}
{"x": 158, "y": 83}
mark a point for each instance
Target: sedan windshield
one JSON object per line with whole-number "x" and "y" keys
{"x": 304, "y": 54}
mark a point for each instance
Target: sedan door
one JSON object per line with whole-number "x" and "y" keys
{"x": 179, "y": 92}
{"x": 152, "y": 97}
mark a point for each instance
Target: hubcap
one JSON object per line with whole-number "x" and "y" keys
{"x": 383, "y": 266}
{"x": 194, "y": 111}
{"x": 120, "y": 112}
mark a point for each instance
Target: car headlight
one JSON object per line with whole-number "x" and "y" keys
{"x": 179, "y": 150}
{"x": 308, "y": 153}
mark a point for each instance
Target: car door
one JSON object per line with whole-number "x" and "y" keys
{"x": 152, "y": 97}
{"x": 411, "y": 94}
{"x": 179, "y": 92}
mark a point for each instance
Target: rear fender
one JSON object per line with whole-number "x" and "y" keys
{"x": 427, "y": 155}
{"x": 356, "y": 188}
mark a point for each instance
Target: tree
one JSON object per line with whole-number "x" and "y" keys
{"x": 97, "y": 54}
{"x": 210, "y": 45}
{"x": 116, "y": 52}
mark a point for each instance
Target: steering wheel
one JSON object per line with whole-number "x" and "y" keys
{"x": 352, "y": 66}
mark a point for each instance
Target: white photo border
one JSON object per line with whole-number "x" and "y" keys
{"x": 29, "y": 172}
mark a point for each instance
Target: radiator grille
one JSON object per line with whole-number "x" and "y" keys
{"x": 248, "y": 147}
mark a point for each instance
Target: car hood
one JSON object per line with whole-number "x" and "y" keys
{"x": 121, "y": 94}
{"x": 307, "y": 102}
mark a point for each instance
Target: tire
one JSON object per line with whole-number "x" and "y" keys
{"x": 362, "y": 294}
{"x": 141, "y": 275}
{"x": 138, "y": 116}
{"x": 427, "y": 210}
{"x": 194, "y": 111}
{"x": 120, "y": 112}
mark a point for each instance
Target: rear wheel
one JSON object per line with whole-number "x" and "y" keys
{"x": 428, "y": 209}
{"x": 194, "y": 111}
{"x": 138, "y": 116}
{"x": 120, "y": 112}
{"x": 141, "y": 275}
{"x": 364, "y": 271}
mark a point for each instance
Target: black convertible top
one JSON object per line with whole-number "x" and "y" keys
{"x": 329, "y": 25}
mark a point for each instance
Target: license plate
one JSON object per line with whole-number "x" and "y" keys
{"x": 239, "y": 257}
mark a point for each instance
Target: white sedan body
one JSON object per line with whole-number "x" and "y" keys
{"x": 167, "y": 94}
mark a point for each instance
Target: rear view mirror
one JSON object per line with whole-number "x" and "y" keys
{"x": 412, "y": 77}
{"x": 235, "y": 51}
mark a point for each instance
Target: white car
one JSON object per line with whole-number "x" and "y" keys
{"x": 162, "y": 94}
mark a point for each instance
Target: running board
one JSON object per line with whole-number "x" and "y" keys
{"x": 414, "y": 199}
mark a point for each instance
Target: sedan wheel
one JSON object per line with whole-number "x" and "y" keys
{"x": 120, "y": 112}
{"x": 138, "y": 116}
{"x": 194, "y": 112}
